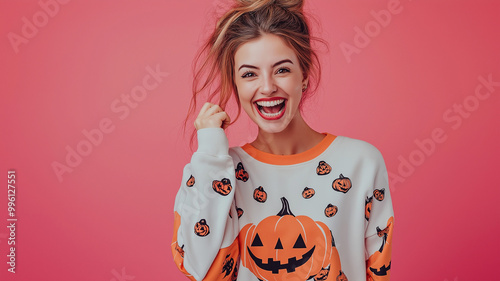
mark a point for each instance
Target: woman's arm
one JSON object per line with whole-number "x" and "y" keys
{"x": 204, "y": 243}
{"x": 378, "y": 237}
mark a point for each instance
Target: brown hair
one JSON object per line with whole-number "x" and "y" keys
{"x": 245, "y": 21}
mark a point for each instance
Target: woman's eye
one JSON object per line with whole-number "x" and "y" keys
{"x": 282, "y": 70}
{"x": 247, "y": 74}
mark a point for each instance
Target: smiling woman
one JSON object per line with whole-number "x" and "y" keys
{"x": 233, "y": 211}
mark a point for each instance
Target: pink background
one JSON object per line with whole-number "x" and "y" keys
{"x": 111, "y": 217}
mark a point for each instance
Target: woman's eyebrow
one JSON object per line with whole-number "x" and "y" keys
{"x": 274, "y": 65}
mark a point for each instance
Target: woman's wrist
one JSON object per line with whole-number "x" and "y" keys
{"x": 212, "y": 141}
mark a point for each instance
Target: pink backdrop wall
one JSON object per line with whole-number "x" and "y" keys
{"x": 76, "y": 78}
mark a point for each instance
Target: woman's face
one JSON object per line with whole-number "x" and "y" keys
{"x": 269, "y": 82}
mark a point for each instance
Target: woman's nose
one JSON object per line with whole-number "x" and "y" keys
{"x": 268, "y": 86}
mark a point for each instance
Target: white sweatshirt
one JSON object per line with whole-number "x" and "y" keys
{"x": 243, "y": 214}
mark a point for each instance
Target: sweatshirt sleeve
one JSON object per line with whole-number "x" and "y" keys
{"x": 204, "y": 243}
{"x": 380, "y": 221}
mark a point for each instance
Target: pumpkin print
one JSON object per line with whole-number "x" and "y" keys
{"x": 241, "y": 174}
{"x": 260, "y": 195}
{"x": 368, "y": 207}
{"x": 342, "y": 184}
{"x": 190, "y": 181}
{"x": 379, "y": 264}
{"x": 223, "y": 187}
{"x": 322, "y": 275}
{"x": 341, "y": 276}
{"x": 379, "y": 194}
{"x": 308, "y": 193}
{"x": 331, "y": 210}
{"x": 227, "y": 267}
{"x": 287, "y": 247}
{"x": 179, "y": 250}
{"x": 239, "y": 211}
{"x": 201, "y": 228}
{"x": 323, "y": 168}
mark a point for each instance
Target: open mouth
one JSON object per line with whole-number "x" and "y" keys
{"x": 271, "y": 109}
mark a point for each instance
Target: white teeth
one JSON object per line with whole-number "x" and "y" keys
{"x": 270, "y": 115}
{"x": 270, "y": 103}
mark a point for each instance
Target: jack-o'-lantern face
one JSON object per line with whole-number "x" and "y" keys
{"x": 323, "y": 168}
{"x": 379, "y": 264}
{"x": 342, "y": 184}
{"x": 331, "y": 210}
{"x": 260, "y": 195}
{"x": 308, "y": 193}
{"x": 286, "y": 247}
{"x": 379, "y": 194}
{"x": 241, "y": 174}
{"x": 223, "y": 187}
{"x": 190, "y": 181}
{"x": 201, "y": 228}
{"x": 368, "y": 207}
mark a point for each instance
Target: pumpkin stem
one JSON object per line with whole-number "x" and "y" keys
{"x": 285, "y": 210}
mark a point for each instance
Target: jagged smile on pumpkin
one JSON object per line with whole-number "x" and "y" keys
{"x": 271, "y": 109}
{"x": 275, "y": 266}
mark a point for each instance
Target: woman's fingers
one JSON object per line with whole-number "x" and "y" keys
{"x": 211, "y": 116}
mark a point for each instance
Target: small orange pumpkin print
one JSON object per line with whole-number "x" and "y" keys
{"x": 179, "y": 250}
{"x": 342, "y": 184}
{"x": 331, "y": 210}
{"x": 190, "y": 181}
{"x": 368, "y": 207}
{"x": 260, "y": 195}
{"x": 308, "y": 193}
{"x": 201, "y": 228}
{"x": 323, "y": 168}
{"x": 223, "y": 187}
{"x": 239, "y": 211}
{"x": 227, "y": 267}
{"x": 322, "y": 275}
{"x": 241, "y": 174}
{"x": 341, "y": 276}
{"x": 379, "y": 194}
{"x": 288, "y": 247}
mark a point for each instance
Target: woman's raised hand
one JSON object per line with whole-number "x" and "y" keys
{"x": 211, "y": 116}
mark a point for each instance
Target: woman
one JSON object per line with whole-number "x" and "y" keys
{"x": 294, "y": 204}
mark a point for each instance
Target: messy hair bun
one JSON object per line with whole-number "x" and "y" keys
{"x": 292, "y": 5}
{"x": 247, "y": 20}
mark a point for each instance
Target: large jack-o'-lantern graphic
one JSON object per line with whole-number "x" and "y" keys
{"x": 288, "y": 247}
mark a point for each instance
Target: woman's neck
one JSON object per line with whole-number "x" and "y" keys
{"x": 296, "y": 138}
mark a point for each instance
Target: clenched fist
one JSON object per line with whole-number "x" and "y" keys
{"x": 211, "y": 116}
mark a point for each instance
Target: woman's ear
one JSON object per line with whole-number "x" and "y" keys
{"x": 305, "y": 82}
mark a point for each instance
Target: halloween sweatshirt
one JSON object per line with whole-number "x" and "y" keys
{"x": 323, "y": 214}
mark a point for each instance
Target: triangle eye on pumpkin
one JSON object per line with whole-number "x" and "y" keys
{"x": 299, "y": 243}
{"x": 278, "y": 245}
{"x": 256, "y": 241}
